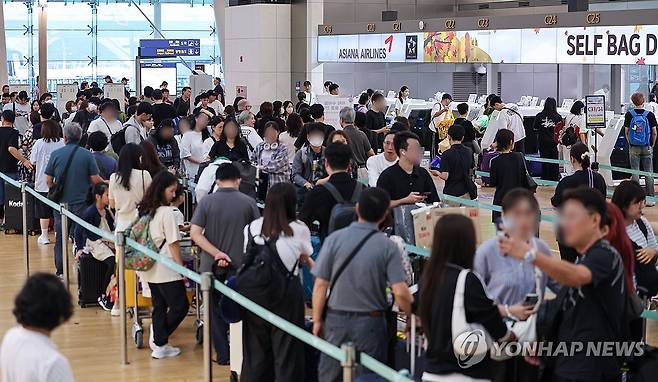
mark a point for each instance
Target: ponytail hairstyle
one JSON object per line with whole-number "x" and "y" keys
{"x": 580, "y": 154}
{"x": 402, "y": 90}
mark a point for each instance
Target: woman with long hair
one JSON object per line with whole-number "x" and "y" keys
{"x": 403, "y": 98}
{"x": 230, "y": 145}
{"x": 50, "y": 141}
{"x": 277, "y": 111}
{"x": 269, "y": 353}
{"x": 217, "y": 126}
{"x": 585, "y": 176}
{"x": 294, "y": 125}
{"x": 544, "y": 125}
{"x": 437, "y": 292}
{"x": 127, "y": 185}
{"x": 150, "y": 159}
{"x": 288, "y": 109}
{"x": 168, "y": 292}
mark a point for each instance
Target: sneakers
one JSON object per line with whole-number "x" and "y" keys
{"x": 105, "y": 303}
{"x": 650, "y": 204}
{"x": 43, "y": 240}
{"x": 115, "y": 312}
{"x": 164, "y": 351}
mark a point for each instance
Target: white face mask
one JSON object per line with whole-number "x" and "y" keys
{"x": 91, "y": 108}
{"x": 48, "y": 101}
{"x": 316, "y": 141}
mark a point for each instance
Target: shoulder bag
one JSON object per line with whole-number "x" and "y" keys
{"x": 56, "y": 192}
{"x": 529, "y": 182}
{"x": 342, "y": 267}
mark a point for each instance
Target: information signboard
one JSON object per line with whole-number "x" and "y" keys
{"x": 65, "y": 93}
{"x": 332, "y": 106}
{"x": 169, "y": 47}
{"x": 595, "y": 111}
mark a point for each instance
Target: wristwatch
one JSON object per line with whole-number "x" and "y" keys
{"x": 530, "y": 256}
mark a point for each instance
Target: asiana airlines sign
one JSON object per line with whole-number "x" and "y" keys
{"x": 573, "y": 45}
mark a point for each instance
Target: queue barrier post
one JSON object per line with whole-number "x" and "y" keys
{"x": 121, "y": 256}
{"x": 349, "y": 362}
{"x": 206, "y": 285}
{"x": 26, "y": 243}
{"x": 65, "y": 245}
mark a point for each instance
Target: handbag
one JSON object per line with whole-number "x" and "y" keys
{"x": 56, "y": 192}
{"x": 530, "y": 182}
{"x": 467, "y": 338}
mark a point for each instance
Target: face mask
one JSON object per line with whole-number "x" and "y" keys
{"x": 48, "y": 101}
{"x": 91, "y": 108}
{"x": 74, "y": 109}
{"x": 316, "y": 141}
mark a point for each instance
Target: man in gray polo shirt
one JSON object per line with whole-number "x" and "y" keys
{"x": 217, "y": 228}
{"x": 356, "y": 306}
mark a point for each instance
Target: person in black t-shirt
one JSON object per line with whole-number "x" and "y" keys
{"x": 161, "y": 110}
{"x": 405, "y": 181}
{"x": 453, "y": 250}
{"x": 456, "y": 164}
{"x": 203, "y": 105}
{"x": 544, "y": 125}
{"x": 470, "y": 134}
{"x": 267, "y": 115}
{"x": 182, "y": 103}
{"x": 594, "y": 302}
{"x": 317, "y": 113}
{"x": 9, "y": 146}
{"x": 376, "y": 120}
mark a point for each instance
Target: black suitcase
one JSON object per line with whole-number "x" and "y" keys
{"x": 14, "y": 211}
{"x": 90, "y": 280}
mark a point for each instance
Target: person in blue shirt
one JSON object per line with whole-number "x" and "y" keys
{"x": 76, "y": 180}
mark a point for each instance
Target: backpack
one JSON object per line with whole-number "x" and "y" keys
{"x": 118, "y": 140}
{"x": 344, "y": 212}
{"x": 263, "y": 278}
{"x": 639, "y": 132}
{"x": 569, "y": 135}
{"x": 140, "y": 232}
{"x": 557, "y": 131}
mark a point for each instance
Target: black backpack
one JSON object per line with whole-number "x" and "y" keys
{"x": 263, "y": 278}
{"x": 344, "y": 212}
{"x": 118, "y": 140}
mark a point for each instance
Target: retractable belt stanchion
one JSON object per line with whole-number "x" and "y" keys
{"x": 121, "y": 257}
{"x": 65, "y": 245}
{"x": 26, "y": 244}
{"x": 206, "y": 285}
{"x": 349, "y": 363}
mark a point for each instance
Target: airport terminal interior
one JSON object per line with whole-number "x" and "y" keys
{"x": 194, "y": 118}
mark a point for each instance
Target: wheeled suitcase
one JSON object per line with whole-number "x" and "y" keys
{"x": 14, "y": 211}
{"x": 485, "y": 165}
{"x": 90, "y": 280}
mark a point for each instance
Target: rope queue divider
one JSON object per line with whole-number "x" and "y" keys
{"x": 207, "y": 282}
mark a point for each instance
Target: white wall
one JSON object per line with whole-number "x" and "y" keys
{"x": 258, "y": 51}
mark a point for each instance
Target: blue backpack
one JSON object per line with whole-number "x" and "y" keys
{"x": 639, "y": 131}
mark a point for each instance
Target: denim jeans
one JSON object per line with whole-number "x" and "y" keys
{"x": 369, "y": 335}
{"x": 641, "y": 158}
{"x": 77, "y": 209}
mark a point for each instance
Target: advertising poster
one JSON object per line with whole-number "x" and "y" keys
{"x": 65, "y": 93}
{"x": 626, "y": 45}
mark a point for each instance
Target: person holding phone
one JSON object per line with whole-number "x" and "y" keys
{"x": 515, "y": 287}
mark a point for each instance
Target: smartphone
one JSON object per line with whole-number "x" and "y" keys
{"x": 530, "y": 299}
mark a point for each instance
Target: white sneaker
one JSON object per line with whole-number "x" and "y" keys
{"x": 164, "y": 351}
{"x": 115, "y": 312}
{"x": 151, "y": 338}
{"x": 43, "y": 240}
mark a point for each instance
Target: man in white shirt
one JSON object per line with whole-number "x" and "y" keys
{"x": 247, "y": 121}
{"x": 27, "y": 353}
{"x": 505, "y": 117}
{"x": 21, "y": 108}
{"x": 107, "y": 123}
{"x": 440, "y": 111}
{"x": 380, "y": 162}
{"x": 136, "y": 127}
{"x": 308, "y": 90}
{"x": 213, "y": 102}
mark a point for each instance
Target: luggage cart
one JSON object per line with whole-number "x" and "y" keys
{"x": 191, "y": 258}
{"x": 136, "y": 329}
